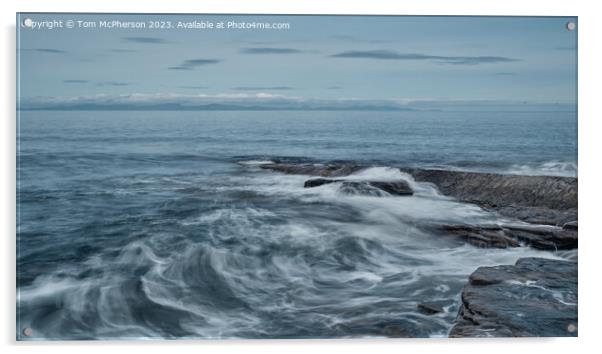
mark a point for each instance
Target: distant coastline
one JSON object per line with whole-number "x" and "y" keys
{"x": 267, "y": 101}
{"x": 257, "y": 108}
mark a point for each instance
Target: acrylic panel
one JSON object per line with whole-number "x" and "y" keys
{"x": 191, "y": 176}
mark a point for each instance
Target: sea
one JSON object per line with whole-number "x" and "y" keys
{"x": 163, "y": 225}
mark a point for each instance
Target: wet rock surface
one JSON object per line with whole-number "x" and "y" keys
{"x": 313, "y": 169}
{"x": 534, "y": 297}
{"x": 544, "y": 238}
{"x": 537, "y": 236}
{"x": 399, "y": 188}
{"x": 481, "y": 236}
{"x": 316, "y": 182}
{"x": 571, "y": 225}
{"x": 535, "y": 199}
{"x": 429, "y": 308}
{"x": 374, "y": 188}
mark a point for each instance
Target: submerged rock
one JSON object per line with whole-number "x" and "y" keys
{"x": 536, "y": 297}
{"x": 364, "y": 187}
{"x": 542, "y": 237}
{"x": 394, "y": 188}
{"x": 313, "y": 169}
{"x": 429, "y": 308}
{"x": 482, "y": 236}
{"x": 399, "y": 188}
{"x": 571, "y": 225}
{"x": 316, "y": 182}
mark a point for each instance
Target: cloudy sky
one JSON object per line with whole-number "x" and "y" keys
{"x": 318, "y": 60}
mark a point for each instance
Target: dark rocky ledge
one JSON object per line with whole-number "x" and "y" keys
{"x": 537, "y": 236}
{"x": 316, "y": 182}
{"x": 313, "y": 169}
{"x": 535, "y": 297}
{"x": 534, "y": 199}
{"x": 399, "y": 188}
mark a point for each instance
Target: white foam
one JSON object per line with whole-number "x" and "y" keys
{"x": 255, "y": 162}
{"x": 379, "y": 174}
{"x": 551, "y": 168}
{"x": 47, "y": 286}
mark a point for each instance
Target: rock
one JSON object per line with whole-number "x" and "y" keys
{"x": 313, "y": 169}
{"x": 537, "y": 199}
{"x": 481, "y": 236}
{"x": 429, "y": 308}
{"x": 542, "y": 237}
{"x": 399, "y": 188}
{"x": 535, "y": 297}
{"x": 364, "y": 187}
{"x": 394, "y": 188}
{"x": 394, "y": 331}
{"x": 537, "y": 236}
{"x": 571, "y": 225}
{"x": 316, "y": 182}
{"x": 534, "y": 215}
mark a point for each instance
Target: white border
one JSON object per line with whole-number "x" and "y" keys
{"x": 589, "y": 171}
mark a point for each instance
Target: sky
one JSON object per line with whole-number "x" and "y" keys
{"x": 318, "y": 61}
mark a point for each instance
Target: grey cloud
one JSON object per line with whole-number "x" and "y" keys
{"x": 476, "y": 60}
{"x": 47, "y": 50}
{"x": 193, "y": 63}
{"x": 393, "y": 55}
{"x": 112, "y": 83}
{"x": 146, "y": 40}
{"x": 334, "y": 88}
{"x": 269, "y": 50}
{"x": 199, "y": 62}
{"x": 505, "y": 74}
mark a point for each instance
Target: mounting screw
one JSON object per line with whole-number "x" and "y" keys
{"x": 27, "y": 332}
{"x": 570, "y": 26}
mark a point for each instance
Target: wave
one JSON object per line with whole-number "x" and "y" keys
{"x": 551, "y": 168}
{"x": 256, "y": 162}
{"x": 283, "y": 261}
